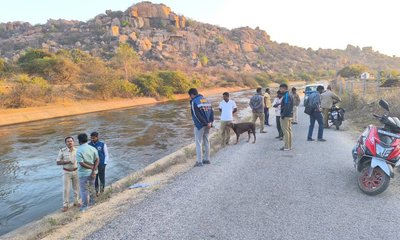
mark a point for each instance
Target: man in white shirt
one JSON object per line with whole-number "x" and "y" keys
{"x": 227, "y": 108}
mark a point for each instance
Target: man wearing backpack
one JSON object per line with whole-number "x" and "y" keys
{"x": 314, "y": 105}
{"x": 257, "y": 107}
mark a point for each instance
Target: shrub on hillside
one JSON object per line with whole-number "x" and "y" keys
{"x": 28, "y": 91}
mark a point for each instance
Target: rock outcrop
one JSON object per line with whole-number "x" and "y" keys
{"x": 159, "y": 34}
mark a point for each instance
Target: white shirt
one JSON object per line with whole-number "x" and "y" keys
{"x": 227, "y": 110}
{"x": 277, "y": 109}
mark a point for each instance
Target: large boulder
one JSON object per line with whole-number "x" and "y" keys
{"x": 150, "y": 10}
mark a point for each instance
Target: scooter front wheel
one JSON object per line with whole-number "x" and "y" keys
{"x": 373, "y": 181}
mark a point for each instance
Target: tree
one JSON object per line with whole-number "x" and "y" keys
{"x": 175, "y": 79}
{"x": 55, "y": 68}
{"x": 353, "y": 71}
{"x": 126, "y": 59}
{"x": 204, "y": 60}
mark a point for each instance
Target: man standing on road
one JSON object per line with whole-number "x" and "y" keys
{"x": 103, "y": 155}
{"x": 88, "y": 160}
{"x": 203, "y": 118}
{"x": 314, "y": 103}
{"x": 286, "y": 116}
{"x": 257, "y": 107}
{"x": 327, "y": 99}
{"x": 267, "y": 105}
{"x": 277, "y": 105}
{"x": 67, "y": 158}
{"x": 227, "y": 108}
{"x": 296, "y": 104}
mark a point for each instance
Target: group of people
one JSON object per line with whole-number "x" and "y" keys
{"x": 286, "y": 105}
{"x": 84, "y": 168}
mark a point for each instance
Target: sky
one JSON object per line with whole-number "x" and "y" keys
{"x": 304, "y": 23}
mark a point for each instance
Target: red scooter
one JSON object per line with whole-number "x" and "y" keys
{"x": 377, "y": 152}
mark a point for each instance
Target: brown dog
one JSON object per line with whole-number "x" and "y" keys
{"x": 240, "y": 128}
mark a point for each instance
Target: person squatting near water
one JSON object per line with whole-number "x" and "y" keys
{"x": 203, "y": 118}
{"x": 227, "y": 107}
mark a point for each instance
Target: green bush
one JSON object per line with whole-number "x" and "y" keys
{"x": 262, "y": 50}
{"x": 177, "y": 80}
{"x": 124, "y": 23}
{"x": 148, "y": 84}
{"x": 263, "y": 80}
{"x": 124, "y": 89}
{"x": 55, "y": 68}
{"x": 220, "y": 39}
{"x": 204, "y": 60}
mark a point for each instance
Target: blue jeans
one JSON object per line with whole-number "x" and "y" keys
{"x": 266, "y": 116}
{"x": 87, "y": 190}
{"x": 316, "y": 116}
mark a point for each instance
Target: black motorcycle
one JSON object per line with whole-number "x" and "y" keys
{"x": 336, "y": 116}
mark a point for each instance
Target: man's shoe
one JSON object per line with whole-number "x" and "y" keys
{"x": 310, "y": 139}
{"x": 263, "y": 131}
{"x": 77, "y": 205}
{"x": 321, "y": 140}
{"x": 198, "y": 164}
{"x": 83, "y": 209}
{"x": 294, "y": 122}
{"x": 284, "y": 149}
{"x": 64, "y": 209}
{"x": 277, "y": 137}
{"x": 206, "y": 162}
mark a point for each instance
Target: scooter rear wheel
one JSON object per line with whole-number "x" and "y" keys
{"x": 375, "y": 184}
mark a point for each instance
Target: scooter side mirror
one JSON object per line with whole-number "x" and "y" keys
{"x": 384, "y": 104}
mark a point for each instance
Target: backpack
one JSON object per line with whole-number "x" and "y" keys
{"x": 256, "y": 102}
{"x": 308, "y": 109}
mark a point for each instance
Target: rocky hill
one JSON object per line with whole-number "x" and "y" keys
{"x": 160, "y": 35}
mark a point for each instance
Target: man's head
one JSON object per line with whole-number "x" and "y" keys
{"x": 94, "y": 136}
{"x": 267, "y": 91}
{"x": 258, "y": 90}
{"x": 279, "y": 94}
{"x": 294, "y": 90}
{"x": 225, "y": 95}
{"x": 193, "y": 93}
{"x": 69, "y": 141}
{"x": 83, "y": 138}
{"x": 283, "y": 88}
{"x": 320, "y": 89}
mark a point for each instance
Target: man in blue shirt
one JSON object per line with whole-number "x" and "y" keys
{"x": 103, "y": 155}
{"x": 88, "y": 160}
{"x": 203, "y": 118}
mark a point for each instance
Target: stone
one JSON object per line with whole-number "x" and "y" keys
{"x": 159, "y": 46}
{"x": 116, "y": 22}
{"x": 133, "y": 36}
{"x": 78, "y": 44}
{"x": 248, "y": 47}
{"x": 144, "y": 45}
{"x": 115, "y": 31}
{"x": 150, "y": 10}
{"x": 182, "y": 21}
{"x": 247, "y": 68}
{"x": 123, "y": 38}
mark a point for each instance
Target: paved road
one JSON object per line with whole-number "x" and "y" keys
{"x": 255, "y": 191}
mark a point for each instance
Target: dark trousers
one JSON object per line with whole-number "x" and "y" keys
{"x": 316, "y": 116}
{"x": 266, "y": 113}
{"x": 101, "y": 175}
{"x": 278, "y": 126}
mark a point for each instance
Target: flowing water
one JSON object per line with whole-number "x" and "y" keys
{"x": 30, "y": 180}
